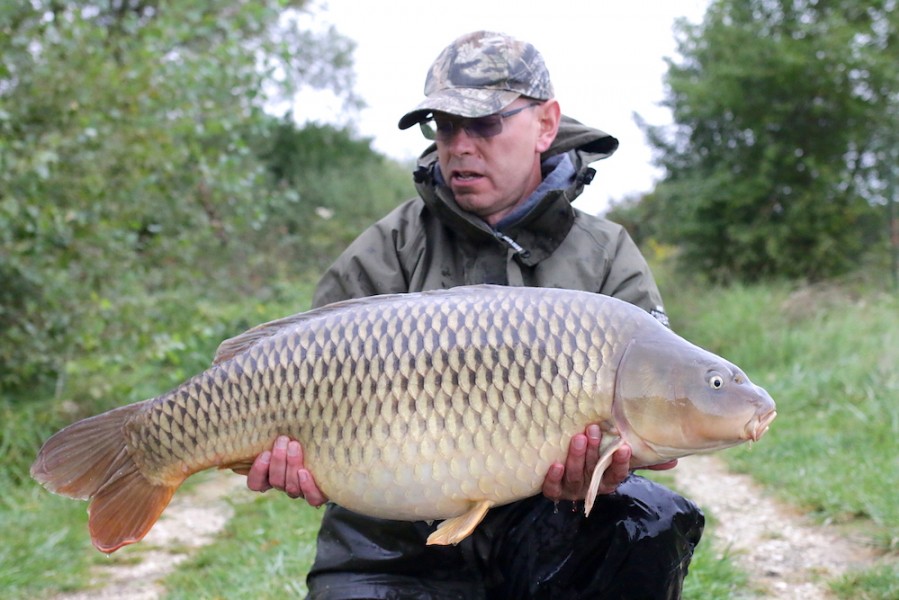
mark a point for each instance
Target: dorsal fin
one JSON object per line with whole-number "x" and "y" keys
{"x": 234, "y": 346}
{"x": 240, "y": 343}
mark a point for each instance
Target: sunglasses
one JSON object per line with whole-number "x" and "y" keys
{"x": 445, "y": 127}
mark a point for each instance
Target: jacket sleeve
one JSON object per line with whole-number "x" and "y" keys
{"x": 630, "y": 279}
{"x": 373, "y": 263}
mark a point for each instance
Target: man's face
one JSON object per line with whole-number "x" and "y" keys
{"x": 491, "y": 175}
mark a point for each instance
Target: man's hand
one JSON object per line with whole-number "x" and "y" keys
{"x": 571, "y": 480}
{"x": 282, "y": 469}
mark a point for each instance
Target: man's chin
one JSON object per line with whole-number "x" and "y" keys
{"x": 472, "y": 202}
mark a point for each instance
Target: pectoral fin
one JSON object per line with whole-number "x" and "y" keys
{"x": 453, "y": 531}
{"x": 601, "y": 467}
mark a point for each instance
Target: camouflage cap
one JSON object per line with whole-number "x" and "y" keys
{"x": 479, "y": 74}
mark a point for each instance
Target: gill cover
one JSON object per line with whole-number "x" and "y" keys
{"x": 673, "y": 398}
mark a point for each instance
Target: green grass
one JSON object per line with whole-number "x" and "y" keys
{"x": 46, "y": 547}
{"x": 264, "y": 552}
{"x": 832, "y": 368}
{"x": 878, "y": 583}
{"x": 829, "y": 355}
{"x": 713, "y": 576}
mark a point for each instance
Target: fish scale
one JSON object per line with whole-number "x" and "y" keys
{"x": 424, "y": 406}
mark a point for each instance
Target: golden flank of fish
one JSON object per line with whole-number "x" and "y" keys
{"x": 429, "y": 406}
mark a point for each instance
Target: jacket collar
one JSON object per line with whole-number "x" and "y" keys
{"x": 538, "y": 226}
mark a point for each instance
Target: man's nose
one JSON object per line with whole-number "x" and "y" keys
{"x": 460, "y": 141}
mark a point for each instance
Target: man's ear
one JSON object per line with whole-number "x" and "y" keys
{"x": 550, "y": 117}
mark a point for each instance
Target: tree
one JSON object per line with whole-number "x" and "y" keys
{"x": 784, "y": 112}
{"x": 344, "y": 185}
{"x": 124, "y": 155}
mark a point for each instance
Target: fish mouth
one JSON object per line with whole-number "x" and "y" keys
{"x": 758, "y": 425}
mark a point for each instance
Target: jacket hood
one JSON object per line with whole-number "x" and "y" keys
{"x": 537, "y": 231}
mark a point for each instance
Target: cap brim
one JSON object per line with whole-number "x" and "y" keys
{"x": 464, "y": 102}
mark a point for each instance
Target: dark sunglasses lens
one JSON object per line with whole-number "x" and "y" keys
{"x": 427, "y": 130}
{"x": 482, "y": 127}
{"x": 485, "y": 127}
{"x": 444, "y": 128}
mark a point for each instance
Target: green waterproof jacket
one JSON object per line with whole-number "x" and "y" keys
{"x": 430, "y": 243}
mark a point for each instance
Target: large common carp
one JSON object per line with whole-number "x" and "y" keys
{"x": 428, "y": 406}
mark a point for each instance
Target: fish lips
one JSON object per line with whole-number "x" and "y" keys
{"x": 758, "y": 424}
{"x": 765, "y": 413}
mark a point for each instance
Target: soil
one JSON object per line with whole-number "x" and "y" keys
{"x": 785, "y": 554}
{"x": 192, "y": 520}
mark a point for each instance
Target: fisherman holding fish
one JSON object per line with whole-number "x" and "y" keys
{"x": 482, "y": 343}
{"x": 495, "y": 191}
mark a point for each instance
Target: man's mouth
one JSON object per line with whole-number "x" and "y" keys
{"x": 466, "y": 176}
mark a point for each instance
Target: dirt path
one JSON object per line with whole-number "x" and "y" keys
{"x": 192, "y": 520}
{"x": 785, "y": 555}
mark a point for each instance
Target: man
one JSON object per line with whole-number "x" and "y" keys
{"x": 495, "y": 207}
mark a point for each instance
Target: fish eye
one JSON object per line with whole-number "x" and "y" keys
{"x": 716, "y": 382}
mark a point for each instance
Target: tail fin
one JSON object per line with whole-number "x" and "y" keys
{"x": 89, "y": 460}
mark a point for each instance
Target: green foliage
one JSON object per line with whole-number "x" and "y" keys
{"x": 785, "y": 114}
{"x": 155, "y": 343}
{"x": 133, "y": 166}
{"x": 341, "y": 185}
{"x": 642, "y": 217}
{"x": 46, "y": 547}
{"x": 143, "y": 219}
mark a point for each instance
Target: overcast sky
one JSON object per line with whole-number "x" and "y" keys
{"x": 605, "y": 58}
